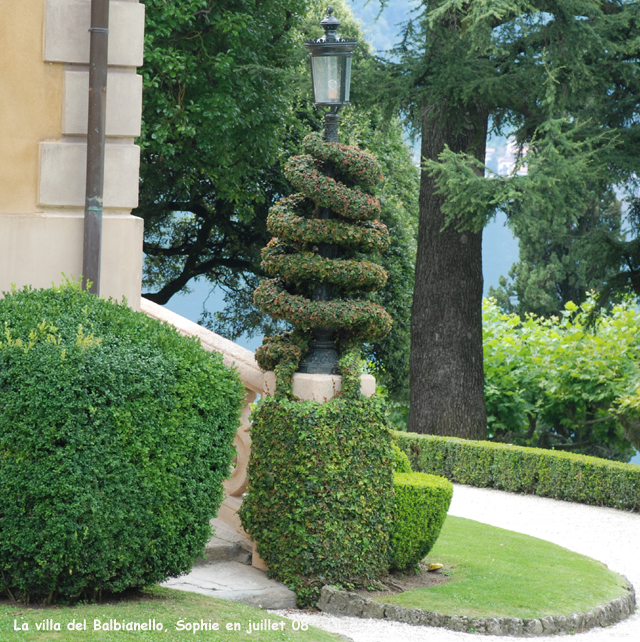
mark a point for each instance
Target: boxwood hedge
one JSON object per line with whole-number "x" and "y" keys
{"x": 549, "y": 473}
{"x": 421, "y": 505}
{"x": 115, "y": 435}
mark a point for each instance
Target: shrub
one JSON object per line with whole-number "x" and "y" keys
{"x": 401, "y": 461}
{"x": 115, "y": 435}
{"x": 560, "y": 383}
{"x": 294, "y": 261}
{"x": 561, "y": 475}
{"x": 421, "y": 505}
{"x": 320, "y": 493}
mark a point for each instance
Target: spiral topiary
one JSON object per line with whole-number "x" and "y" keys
{"x": 319, "y": 504}
{"x": 293, "y": 260}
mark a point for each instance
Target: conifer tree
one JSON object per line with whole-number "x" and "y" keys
{"x": 562, "y": 76}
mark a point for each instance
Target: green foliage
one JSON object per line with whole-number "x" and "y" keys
{"x": 561, "y": 77}
{"x": 421, "y": 505}
{"x": 398, "y": 195}
{"x": 115, "y": 436}
{"x": 227, "y": 101}
{"x": 299, "y": 267}
{"x": 320, "y": 496}
{"x": 561, "y": 475}
{"x": 558, "y": 78}
{"x": 563, "y": 256}
{"x": 402, "y": 463}
{"x": 557, "y": 383}
{"x": 219, "y": 88}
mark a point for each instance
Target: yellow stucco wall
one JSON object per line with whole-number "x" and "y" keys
{"x": 30, "y": 102}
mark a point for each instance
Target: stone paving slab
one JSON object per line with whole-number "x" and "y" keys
{"x": 235, "y": 582}
{"x": 227, "y": 545}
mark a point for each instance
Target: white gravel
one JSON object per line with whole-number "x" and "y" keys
{"x": 606, "y": 534}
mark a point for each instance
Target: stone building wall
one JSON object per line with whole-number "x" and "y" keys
{"x": 44, "y": 75}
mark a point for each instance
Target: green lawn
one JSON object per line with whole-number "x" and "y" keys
{"x": 165, "y": 606}
{"x": 499, "y": 573}
{"x": 494, "y": 573}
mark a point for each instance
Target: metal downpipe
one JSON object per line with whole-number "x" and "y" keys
{"x": 92, "y": 248}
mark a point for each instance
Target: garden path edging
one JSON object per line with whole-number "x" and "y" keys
{"x": 336, "y": 602}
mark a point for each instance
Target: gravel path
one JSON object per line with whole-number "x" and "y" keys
{"x": 606, "y": 534}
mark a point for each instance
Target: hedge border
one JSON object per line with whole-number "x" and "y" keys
{"x": 518, "y": 469}
{"x": 345, "y": 603}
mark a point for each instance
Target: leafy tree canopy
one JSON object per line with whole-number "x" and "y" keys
{"x": 563, "y": 257}
{"x": 227, "y": 101}
{"x": 564, "y": 81}
{"x": 558, "y": 383}
{"x": 217, "y": 96}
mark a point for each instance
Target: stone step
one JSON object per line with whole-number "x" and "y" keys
{"x": 226, "y": 545}
{"x": 235, "y": 582}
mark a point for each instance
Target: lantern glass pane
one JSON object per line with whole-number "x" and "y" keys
{"x": 328, "y": 79}
{"x": 347, "y": 79}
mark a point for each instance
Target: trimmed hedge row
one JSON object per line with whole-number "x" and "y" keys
{"x": 548, "y": 473}
{"x": 421, "y": 505}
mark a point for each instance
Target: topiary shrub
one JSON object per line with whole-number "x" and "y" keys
{"x": 115, "y": 436}
{"x": 320, "y": 495}
{"x": 421, "y": 505}
{"x": 294, "y": 257}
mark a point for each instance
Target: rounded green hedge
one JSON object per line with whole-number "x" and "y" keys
{"x": 421, "y": 505}
{"x": 115, "y": 436}
{"x": 320, "y": 496}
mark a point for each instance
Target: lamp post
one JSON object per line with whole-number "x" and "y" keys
{"x": 330, "y": 58}
{"x": 331, "y": 72}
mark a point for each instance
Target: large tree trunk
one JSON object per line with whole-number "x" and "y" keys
{"x": 447, "y": 377}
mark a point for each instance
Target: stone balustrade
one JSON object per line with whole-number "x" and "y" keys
{"x": 243, "y": 361}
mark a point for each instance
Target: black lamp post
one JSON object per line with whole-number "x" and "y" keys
{"x": 331, "y": 73}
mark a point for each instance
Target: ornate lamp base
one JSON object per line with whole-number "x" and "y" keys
{"x": 323, "y": 358}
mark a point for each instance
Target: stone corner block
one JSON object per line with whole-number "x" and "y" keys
{"x": 63, "y": 171}
{"x": 66, "y": 32}
{"x": 124, "y": 104}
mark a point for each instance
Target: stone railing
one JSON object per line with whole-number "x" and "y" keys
{"x": 243, "y": 361}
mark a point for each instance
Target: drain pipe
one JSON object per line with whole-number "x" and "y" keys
{"x": 92, "y": 248}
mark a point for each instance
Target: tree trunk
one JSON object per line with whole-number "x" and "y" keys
{"x": 447, "y": 376}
